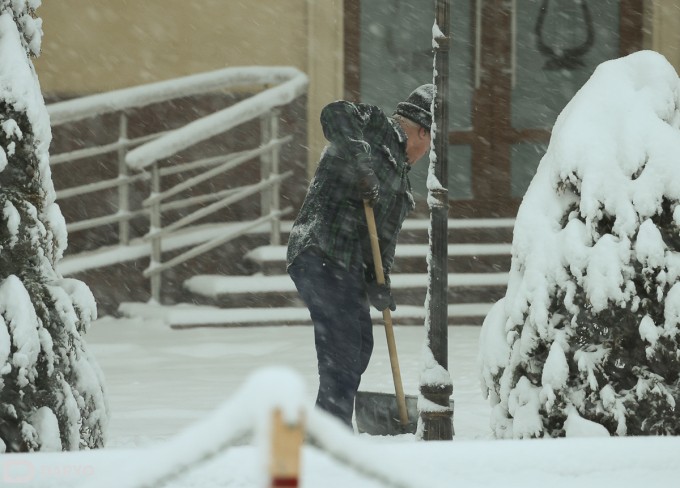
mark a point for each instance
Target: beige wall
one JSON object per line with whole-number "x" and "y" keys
{"x": 92, "y": 46}
{"x": 326, "y": 67}
{"x": 664, "y": 29}
{"x": 99, "y": 45}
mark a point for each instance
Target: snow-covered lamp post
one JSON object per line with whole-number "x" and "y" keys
{"x": 435, "y": 383}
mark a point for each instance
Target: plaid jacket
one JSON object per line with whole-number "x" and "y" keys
{"x": 362, "y": 139}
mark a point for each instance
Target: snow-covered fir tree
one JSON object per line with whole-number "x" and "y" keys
{"x": 51, "y": 389}
{"x": 587, "y": 338}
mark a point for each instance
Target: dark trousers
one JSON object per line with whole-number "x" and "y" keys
{"x": 343, "y": 333}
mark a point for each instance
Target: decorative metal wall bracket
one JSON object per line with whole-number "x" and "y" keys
{"x": 571, "y": 58}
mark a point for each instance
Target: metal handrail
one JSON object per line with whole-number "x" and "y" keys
{"x": 89, "y": 152}
{"x": 147, "y": 94}
{"x": 239, "y": 195}
{"x": 139, "y": 158}
{"x": 217, "y": 123}
{"x": 230, "y": 163}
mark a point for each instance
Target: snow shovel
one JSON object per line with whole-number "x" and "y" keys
{"x": 372, "y": 409}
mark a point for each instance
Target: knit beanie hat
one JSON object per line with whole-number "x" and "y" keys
{"x": 417, "y": 107}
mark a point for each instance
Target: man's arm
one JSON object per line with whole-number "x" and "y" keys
{"x": 343, "y": 124}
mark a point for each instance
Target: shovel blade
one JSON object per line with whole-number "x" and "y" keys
{"x": 378, "y": 414}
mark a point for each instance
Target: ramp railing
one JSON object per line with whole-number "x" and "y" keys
{"x": 150, "y": 158}
{"x": 272, "y": 409}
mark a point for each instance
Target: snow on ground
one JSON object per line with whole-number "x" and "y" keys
{"x": 185, "y": 315}
{"x": 161, "y": 381}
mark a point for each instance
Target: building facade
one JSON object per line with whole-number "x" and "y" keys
{"x": 514, "y": 63}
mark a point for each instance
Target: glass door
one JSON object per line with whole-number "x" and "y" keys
{"x": 557, "y": 44}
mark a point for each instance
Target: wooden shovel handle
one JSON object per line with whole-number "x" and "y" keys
{"x": 375, "y": 244}
{"x": 387, "y": 316}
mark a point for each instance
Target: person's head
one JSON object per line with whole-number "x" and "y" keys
{"x": 415, "y": 116}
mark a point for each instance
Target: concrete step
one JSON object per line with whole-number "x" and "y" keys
{"x": 259, "y": 291}
{"x": 479, "y": 260}
{"x": 187, "y": 316}
{"x": 409, "y": 258}
{"x": 460, "y": 231}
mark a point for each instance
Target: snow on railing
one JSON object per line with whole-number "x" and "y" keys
{"x": 143, "y": 95}
{"x": 217, "y": 123}
{"x": 252, "y": 411}
{"x": 247, "y": 412}
{"x": 289, "y": 83}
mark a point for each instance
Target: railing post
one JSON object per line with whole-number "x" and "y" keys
{"x": 123, "y": 189}
{"x": 154, "y": 228}
{"x": 265, "y": 165}
{"x": 275, "y": 238}
{"x": 286, "y": 451}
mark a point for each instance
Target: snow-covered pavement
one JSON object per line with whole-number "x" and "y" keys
{"x": 161, "y": 380}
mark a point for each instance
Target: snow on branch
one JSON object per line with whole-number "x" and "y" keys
{"x": 18, "y": 83}
{"x": 588, "y": 327}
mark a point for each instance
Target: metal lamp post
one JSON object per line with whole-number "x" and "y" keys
{"x": 436, "y": 388}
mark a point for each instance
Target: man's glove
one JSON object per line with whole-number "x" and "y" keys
{"x": 369, "y": 188}
{"x": 380, "y": 296}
